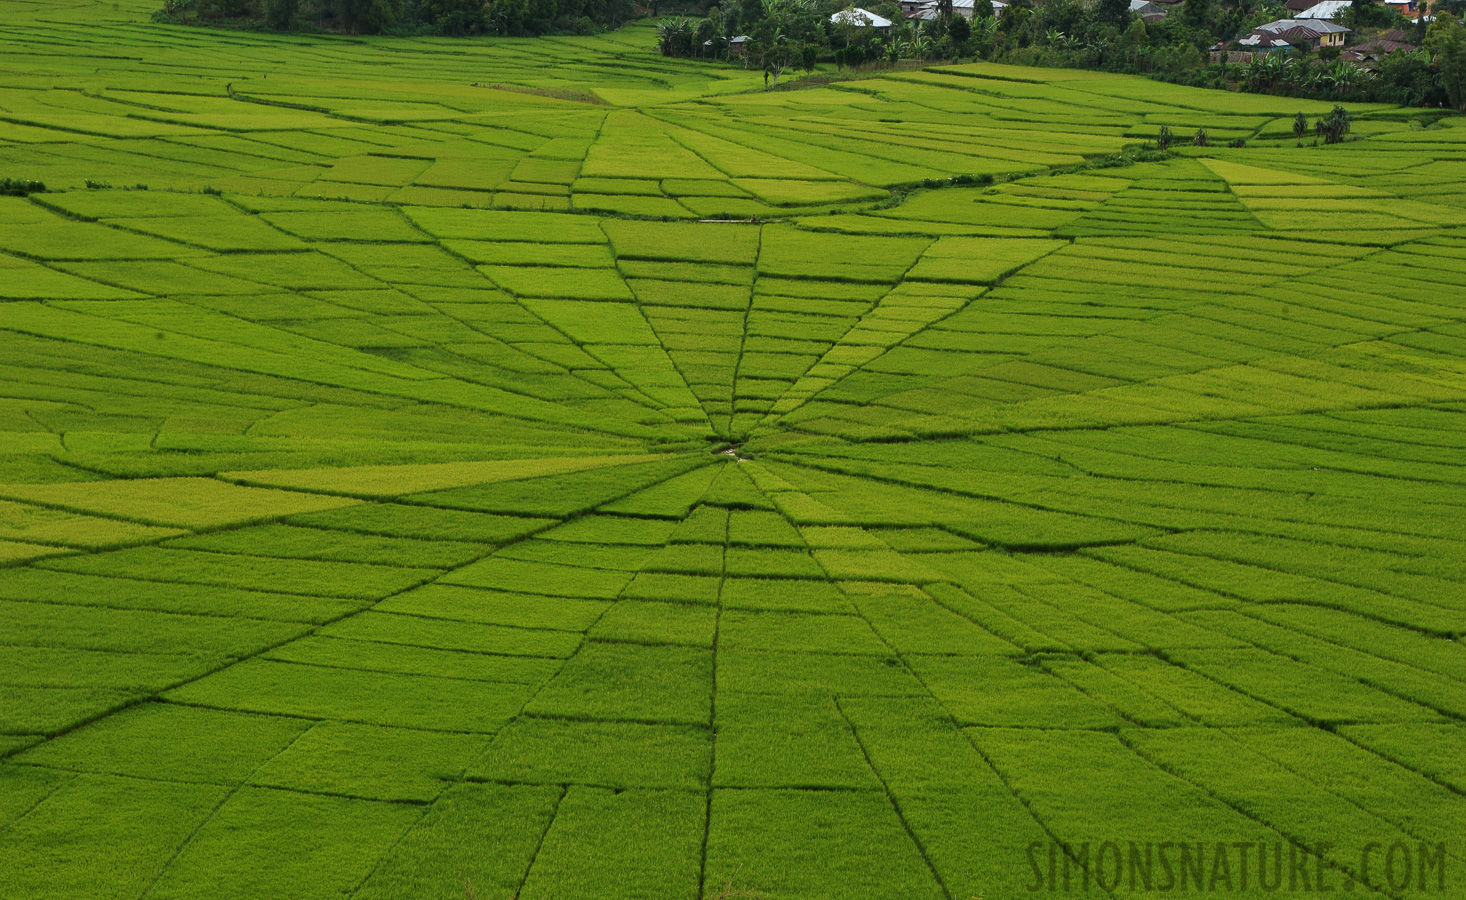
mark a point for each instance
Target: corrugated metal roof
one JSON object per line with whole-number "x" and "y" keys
{"x": 1325, "y": 9}
{"x": 1262, "y": 41}
{"x": 860, "y": 18}
{"x": 1317, "y": 26}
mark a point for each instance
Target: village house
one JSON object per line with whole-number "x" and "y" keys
{"x": 861, "y": 18}
{"x": 737, "y": 45}
{"x": 1327, "y": 10}
{"x": 926, "y": 10}
{"x": 1386, "y": 43}
{"x": 1315, "y": 33}
{"x": 1147, "y": 10}
{"x": 1282, "y": 35}
{"x": 1368, "y": 54}
{"x": 1258, "y": 42}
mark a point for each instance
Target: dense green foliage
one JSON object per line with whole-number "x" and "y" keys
{"x": 449, "y": 17}
{"x": 19, "y": 187}
{"x": 788, "y": 35}
{"x": 1446, "y": 41}
{"x": 1103, "y": 35}
{"x": 545, "y": 469}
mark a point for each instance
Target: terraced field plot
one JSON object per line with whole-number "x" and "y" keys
{"x": 366, "y": 530}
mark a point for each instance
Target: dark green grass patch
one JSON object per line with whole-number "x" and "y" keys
{"x": 374, "y": 698}
{"x": 1233, "y": 767}
{"x": 27, "y": 786}
{"x": 1195, "y": 695}
{"x": 1307, "y": 691}
{"x": 617, "y": 557}
{"x": 328, "y": 579}
{"x": 30, "y": 710}
{"x": 708, "y": 243}
{"x": 1082, "y": 809}
{"x": 964, "y": 816}
{"x": 312, "y": 543}
{"x": 765, "y": 529}
{"x": 613, "y": 530}
{"x": 500, "y": 225}
{"x": 68, "y": 668}
{"x": 426, "y": 523}
{"x": 816, "y": 844}
{"x": 491, "y": 607}
{"x": 538, "y": 577}
{"x": 370, "y": 762}
{"x": 815, "y": 674}
{"x": 673, "y": 498}
{"x": 269, "y": 843}
{"x": 430, "y": 859}
{"x": 630, "y": 682}
{"x": 175, "y": 743}
{"x": 606, "y": 754}
{"x": 558, "y": 495}
{"x": 768, "y": 562}
{"x": 405, "y": 659}
{"x": 1436, "y": 750}
{"x": 989, "y": 690}
{"x": 632, "y": 843}
{"x": 792, "y": 631}
{"x": 815, "y": 747}
{"x": 919, "y": 624}
{"x": 696, "y": 559}
{"x": 673, "y": 587}
{"x": 103, "y": 829}
{"x": 639, "y": 622}
{"x": 791, "y": 595}
{"x": 137, "y": 631}
{"x": 437, "y": 634}
{"x": 1125, "y": 697}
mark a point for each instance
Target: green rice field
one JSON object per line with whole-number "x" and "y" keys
{"x": 472, "y": 468}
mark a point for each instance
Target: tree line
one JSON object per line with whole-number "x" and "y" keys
{"x": 406, "y": 17}
{"x": 786, "y": 35}
{"x": 1103, "y": 34}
